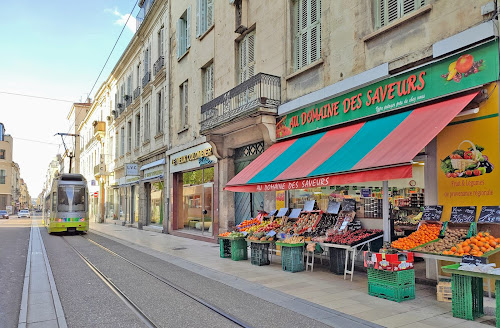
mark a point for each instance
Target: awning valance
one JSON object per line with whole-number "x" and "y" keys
{"x": 376, "y": 150}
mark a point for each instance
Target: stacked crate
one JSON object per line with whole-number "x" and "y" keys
{"x": 396, "y": 286}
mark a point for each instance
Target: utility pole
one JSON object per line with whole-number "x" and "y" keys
{"x": 70, "y": 154}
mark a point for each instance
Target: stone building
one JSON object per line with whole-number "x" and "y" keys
{"x": 6, "y": 168}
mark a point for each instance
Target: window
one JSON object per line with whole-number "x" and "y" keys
{"x": 246, "y": 51}
{"x": 208, "y": 83}
{"x": 2, "y": 153}
{"x": 184, "y": 33}
{"x": 159, "y": 113}
{"x": 147, "y": 122}
{"x": 204, "y": 16}
{"x": 129, "y": 136}
{"x": 122, "y": 141}
{"x": 2, "y": 176}
{"x": 387, "y": 11}
{"x": 129, "y": 85}
{"x": 184, "y": 104}
{"x": 137, "y": 130}
{"x": 138, "y": 75}
{"x": 160, "y": 42}
{"x": 146, "y": 61}
{"x": 307, "y": 32}
{"x": 117, "y": 153}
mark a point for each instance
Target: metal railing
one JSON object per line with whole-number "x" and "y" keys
{"x": 261, "y": 90}
{"x": 128, "y": 100}
{"x": 137, "y": 92}
{"x": 158, "y": 65}
{"x": 146, "y": 79}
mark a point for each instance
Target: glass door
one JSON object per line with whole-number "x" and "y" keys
{"x": 207, "y": 209}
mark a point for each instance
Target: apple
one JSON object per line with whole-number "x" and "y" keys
{"x": 449, "y": 175}
{"x": 464, "y": 63}
{"x": 468, "y": 172}
{"x": 477, "y": 172}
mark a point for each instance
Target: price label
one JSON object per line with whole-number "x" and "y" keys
{"x": 271, "y": 233}
{"x": 333, "y": 207}
{"x": 271, "y": 213}
{"x": 309, "y": 205}
{"x": 489, "y": 214}
{"x": 282, "y": 212}
{"x": 245, "y": 233}
{"x": 432, "y": 213}
{"x": 463, "y": 214}
{"x": 295, "y": 213}
{"x": 349, "y": 205}
{"x": 365, "y": 192}
{"x": 473, "y": 259}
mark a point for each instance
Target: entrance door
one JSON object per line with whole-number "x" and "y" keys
{"x": 207, "y": 209}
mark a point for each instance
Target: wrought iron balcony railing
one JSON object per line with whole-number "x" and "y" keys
{"x": 128, "y": 100}
{"x": 158, "y": 65}
{"x": 137, "y": 92}
{"x": 261, "y": 90}
{"x": 146, "y": 79}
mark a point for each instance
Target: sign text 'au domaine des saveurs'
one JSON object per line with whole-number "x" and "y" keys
{"x": 463, "y": 71}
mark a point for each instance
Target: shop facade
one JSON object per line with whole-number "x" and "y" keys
{"x": 152, "y": 184}
{"x": 126, "y": 195}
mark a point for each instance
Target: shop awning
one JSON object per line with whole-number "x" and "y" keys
{"x": 376, "y": 150}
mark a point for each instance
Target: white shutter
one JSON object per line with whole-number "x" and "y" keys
{"x": 209, "y": 83}
{"x": 407, "y": 7}
{"x": 250, "y": 55}
{"x": 179, "y": 37}
{"x": 185, "y": 96}
{"x": 198, "y": 18}
{"x": 243, "y": 59}
{"x": 315, "y": 30}
{"x": 392, "y": 10}
{"x": 210, "y": 13}
{"x": 188, "y": 28}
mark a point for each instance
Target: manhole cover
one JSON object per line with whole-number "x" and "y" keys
{"x": 178, "y": 248}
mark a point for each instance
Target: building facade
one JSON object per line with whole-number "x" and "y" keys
{"x": 6, "y": 168}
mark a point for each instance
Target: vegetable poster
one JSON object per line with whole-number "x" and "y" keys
{"x": 468, "y": 159}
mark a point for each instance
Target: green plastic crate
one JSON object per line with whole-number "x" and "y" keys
{"x": 292, "y": 259}
{"x": 392, "y": 293}
{"x": 225, "y": 248}
{"x": 396, "y": 278}
{"x": 467, "y": 297}
{"x": 259, "y": 254}
{"x": 239, "y": 250}
{"x": 497, "y": 299}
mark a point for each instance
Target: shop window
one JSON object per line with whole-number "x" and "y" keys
{"x": 208, "y": 175}
{"x": 204, "y": 16}
{"x": 156, "y": 206}
{"x": 388, "y": 11}
{"x": 307, "y": 32}
{"x": 2, "y": 153}
{"x": 184, "y": 33}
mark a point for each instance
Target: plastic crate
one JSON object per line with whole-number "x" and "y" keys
{"x": 225, "y": 248}
{"x": 392, "y": 293}
{"x": 443, "y": 291}
{"x": 337, "y": 260}
{"x": 497, "y": 299}
{"x": 292, "y": 259}
{"x": 259, "y": 254}
{"x": 391, "y": 278}
{"x": 239, "y": 250}
{"x": 467, "y": 297}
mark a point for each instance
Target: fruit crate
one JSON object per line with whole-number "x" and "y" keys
{"x": 239, "y": 250}
{"x": 225, "y": 248}
{"x": 392, "y": 293}
{"x": 444, "y": 293}
{"x": 497, "y": 301}
{"x": 292, "y": 259}
{"x": 467, "y": 296}
{"x": 259, "y": 254}
{"x": 392, "y": 278}
{"x": 337, "y": 260}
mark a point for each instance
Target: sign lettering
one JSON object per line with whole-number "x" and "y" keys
{"x": 463, "y": 214}
{"x": 432, "y": 213}
{"x": 489, "y": 214}
{"x": 193, "y": 156}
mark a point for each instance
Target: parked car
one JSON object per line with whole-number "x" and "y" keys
{"x": 23, "y": 214}
{"x": 4, "y": 214}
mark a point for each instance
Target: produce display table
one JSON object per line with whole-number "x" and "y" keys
{"x": 467, "y": 291}
{"x": 354, "y": 249}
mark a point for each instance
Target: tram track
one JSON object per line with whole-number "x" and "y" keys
{"x": 149, "y": 322}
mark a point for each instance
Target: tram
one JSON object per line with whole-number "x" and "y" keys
{"x": 66, "y": 204}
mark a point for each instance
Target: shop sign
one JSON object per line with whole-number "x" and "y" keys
{"x": 129, "y": 180}
{"x": 192, "y": 158}
{"x": 463, "y": 71}
{"x": 280, "y": 198}
{"x": 131, "y": 169}
{"x": 153, "y": 172}
{"x": 468, "y": 165}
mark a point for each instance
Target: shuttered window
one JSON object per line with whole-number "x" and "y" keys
{"x": 307, "y": 32}
{"x": 2, "y": 176}
{"x": 246, "y": 51}
{"x": 204, "y": 16}
{"x": 159, "y": 112}
{"x": 387, "y": 11}
{"x": 184, "y": 104}
{"x": 122, "y": 141}
{"x": 183, "y": 33}
{"x": 129, "y": 136}
{"x": 208, "y": 83}
{"x": 137, "y": 130}
{"x": 147, "y": 122}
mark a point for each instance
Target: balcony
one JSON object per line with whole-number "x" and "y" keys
{"x": 119, "y": 109}
{"x": 146, "y": 79}
{"x": 145, "y": 6}
{"x": 137, "y": 93}
{"x": 128, "y": 100}
{"x": 158, "y": 65}
{"x": 260, "y": 93}
{"x": 99, "y": 129}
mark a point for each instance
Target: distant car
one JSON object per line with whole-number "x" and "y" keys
{"x": 23, "y": 214}
{"x": 4, "y": 214}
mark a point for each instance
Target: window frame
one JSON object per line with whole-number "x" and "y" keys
{"x": 3, "y": 175}
{"x": 208, "y": 82}
{"x": 398, "y": 13}
{"x": 304, "y": 32}
{"x": 204, "y": 16}
{"x": 2, "y": 153}
{"x": 183, "y": 33}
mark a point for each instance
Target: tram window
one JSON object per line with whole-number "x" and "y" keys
{"x": 71, "y": 198}
{"x": 54, "y": 202}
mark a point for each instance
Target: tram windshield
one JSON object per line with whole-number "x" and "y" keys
{"x": 71, "y": 198}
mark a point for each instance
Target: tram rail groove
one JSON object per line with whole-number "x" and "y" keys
{"x": 125, "y": 299}
{"x": 167, "y": 282}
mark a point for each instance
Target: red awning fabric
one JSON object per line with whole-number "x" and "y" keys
{"x": 376, "y": 150}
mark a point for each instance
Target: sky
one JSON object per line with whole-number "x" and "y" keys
{"x": 54, "y": 49}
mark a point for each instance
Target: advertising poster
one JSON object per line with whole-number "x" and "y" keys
{"x": 280, "y": 199}
{"x": 468, "y": 159}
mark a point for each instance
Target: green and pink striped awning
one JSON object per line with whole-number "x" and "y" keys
{"x": 376, "y": 150}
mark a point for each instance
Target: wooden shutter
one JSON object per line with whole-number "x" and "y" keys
{"x": 307, "y": 43}
{"x": 209, "y": 83}
{"x": 179, "y": 37}
{"x": 198, "y": 18}
{"x": 250, "y": 55}
{"x": 210, "y": 13}
{"x": 315, "y": 30}
{"x": 188, "y": 28}
{"x": 185, "y": 102}
{"x": 243, "y": 59}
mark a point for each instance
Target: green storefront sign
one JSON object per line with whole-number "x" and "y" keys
{"x": 463, "y": 71}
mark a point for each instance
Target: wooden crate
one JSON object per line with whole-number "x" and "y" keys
{"x": 444, "y": 291}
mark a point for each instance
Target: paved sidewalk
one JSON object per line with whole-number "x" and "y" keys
{"x": 316, "y": 290}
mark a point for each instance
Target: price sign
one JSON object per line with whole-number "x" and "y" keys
{"x": 245, "y": 233}
{"x": 333, "y": 207}
{"x": 432, "y": 213}
{"x": 271, "y": 213}
{"x": 366, "y": 192}
{"x": 473, "y": 259}
{"x": 282, "y": 212}
{"x": 489, "y": 214}
{"x": 349, "y": 205}
{"x": 309, "y": 205}
{"x": 295, "y": 213}
{"x": 463, "y": 214}
{"x": 271, "y": 233}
